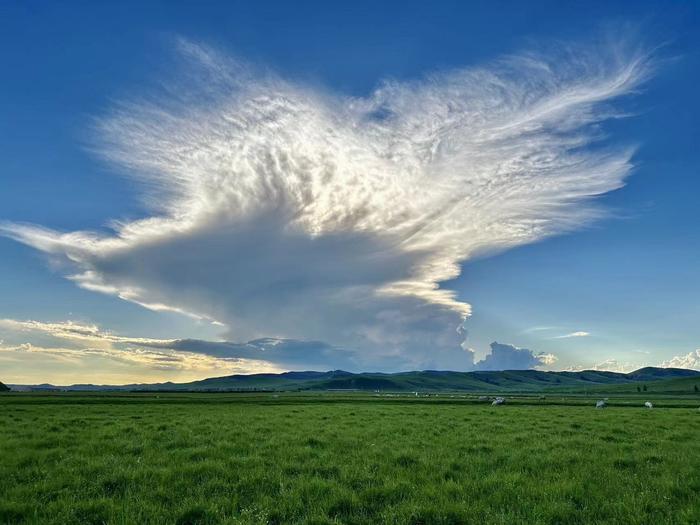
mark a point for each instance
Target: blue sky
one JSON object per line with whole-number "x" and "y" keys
{"x": 628, "y": 281}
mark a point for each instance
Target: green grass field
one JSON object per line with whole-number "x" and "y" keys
{"x": 186, "y": 459}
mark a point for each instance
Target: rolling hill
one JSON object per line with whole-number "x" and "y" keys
{"x": 656, "y": 379}
{"x": 675, "y": 385}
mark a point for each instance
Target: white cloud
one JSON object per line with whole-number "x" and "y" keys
{"x": 535, "y": 329}
{"x": 509, "y": 357}
{"x": 546, "y": 359}
{"x": 608, "y": 365}
{"x": 281, "y": 210}
{"x": 573, "y": 334}
{"x": 75, "y": 342}
{"x": 67, "y": 352}
{"x": 690, "y": 360}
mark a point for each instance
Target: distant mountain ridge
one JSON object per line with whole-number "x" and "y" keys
{"x": 423, "y": 381}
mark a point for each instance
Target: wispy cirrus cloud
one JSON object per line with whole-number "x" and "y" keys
{"x": 580, "y": 333}
{"x": 282, "y": 210}
{"x": 536, "y": 329}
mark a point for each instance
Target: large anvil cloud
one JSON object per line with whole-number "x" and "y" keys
{"x": 282, "y": 210}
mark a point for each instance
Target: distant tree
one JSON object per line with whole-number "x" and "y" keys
{"x": 5, "y": 388}
{"x": 696, "y": 389}
{"x": 645, "y": 388}
{"x": 639, "y": 389}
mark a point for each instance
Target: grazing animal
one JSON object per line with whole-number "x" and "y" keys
{"x": 648, "y": 404}
{"x": 600, "y": 404}
{"x": 499, "y": 401}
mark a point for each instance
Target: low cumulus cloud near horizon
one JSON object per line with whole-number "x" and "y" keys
{"x": 69, "y": 352}
{"x": 287, "y": 212}
{"x": 690, "y": 360}
{"x": 68, "y": 344}
{"x": 509, "y": 357}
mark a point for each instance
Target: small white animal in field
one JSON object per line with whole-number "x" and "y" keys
{"x": 499, "y": 401}
{"x": 648, "y": 404}
{"x": 600, "y": 404}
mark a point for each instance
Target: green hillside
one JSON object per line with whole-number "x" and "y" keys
{"x": 677, "y": 386}
{"x": 431, "y": 380}
{"x": 525, "y": 381}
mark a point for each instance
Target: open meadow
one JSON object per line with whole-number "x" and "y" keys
{"x": 324, "y": 458}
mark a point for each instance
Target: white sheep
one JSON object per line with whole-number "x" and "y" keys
{"x": 499, "y": 401}
{"x": 648, "y": 404}
{"x": 600, "y": 404}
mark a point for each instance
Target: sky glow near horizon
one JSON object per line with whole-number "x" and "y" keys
{"x": 310, "y": 229}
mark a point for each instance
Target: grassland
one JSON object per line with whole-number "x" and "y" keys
{"x": 685, "y": 386}
{"x": 268, "y": 458}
